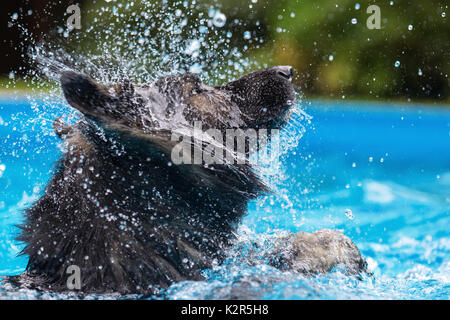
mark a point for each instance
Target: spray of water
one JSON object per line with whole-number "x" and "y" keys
{"x": 141, "y": 41}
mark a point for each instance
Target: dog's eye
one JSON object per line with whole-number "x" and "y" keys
{"x": 284, "y": 75}
{"x": 286, "y": 72}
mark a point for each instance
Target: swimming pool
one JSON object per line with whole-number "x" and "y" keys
{"x": 378, "y": 172}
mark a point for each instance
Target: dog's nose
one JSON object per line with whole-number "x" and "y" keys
{"x": 285, "y": 71}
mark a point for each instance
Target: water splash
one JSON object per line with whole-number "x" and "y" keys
{"x": 349, "y": 214}
{"x": 139, "y": 41}
{"x": 142, "y": 41}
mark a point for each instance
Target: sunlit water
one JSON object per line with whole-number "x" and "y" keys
{"x": 380, "y": 173}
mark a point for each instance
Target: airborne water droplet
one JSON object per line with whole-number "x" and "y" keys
{"x": 2, "y": 169}
{"x": 193, "y": 47}
{"x": 349, "y": 214}
{"x": 354, "y": 21}
{"x": 397, "y": 64}
{"x": 219, "y": 19}
{"x": 195, "y": 68}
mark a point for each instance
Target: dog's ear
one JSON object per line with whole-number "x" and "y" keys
{"x": 94, "y": 100}
{"x": 98, "y": 102}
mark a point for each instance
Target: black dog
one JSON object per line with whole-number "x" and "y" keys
{"x": 118, "y": 208}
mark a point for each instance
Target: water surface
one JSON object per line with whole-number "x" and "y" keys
{"x": 378, "y": 172}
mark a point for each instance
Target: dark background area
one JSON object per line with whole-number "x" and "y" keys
{"x": 38, "y": 21}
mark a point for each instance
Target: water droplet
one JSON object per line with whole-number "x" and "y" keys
{"x": 79, "y": 171}
{"x": 14, "y": 16}
{"x": 219, "y": 19}
{"x": 419, "y": 72}
{"x": 194, "y": 46}
{"x": 410, "y": 27}
{"x": 354, "y": 21}
{"x": 2, "y": 169}
{"x": 397, "y": 64}
{"x": 292, "y": 14}
{"x": 357, "y": 6}
{"x": 349, "y": 214}
{"x": 443, "y": 14}
{"x": 330, "y": 57}
{"x": 391, "y": 3}
{"x": 247, "y": 35}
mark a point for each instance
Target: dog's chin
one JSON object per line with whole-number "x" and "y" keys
{"x": 279, "y": 120}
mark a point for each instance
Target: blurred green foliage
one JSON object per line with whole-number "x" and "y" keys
{"x": 336, "y": 57}
{"x": 333, "y": 51}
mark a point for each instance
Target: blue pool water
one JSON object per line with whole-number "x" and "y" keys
{"x": 387, "y": 163}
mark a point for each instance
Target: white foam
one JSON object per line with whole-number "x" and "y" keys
{"x": 378, "y": 192}
{"x": 2, "y": 169}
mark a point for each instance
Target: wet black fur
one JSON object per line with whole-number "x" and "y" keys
{"x": 119, "y": 210}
